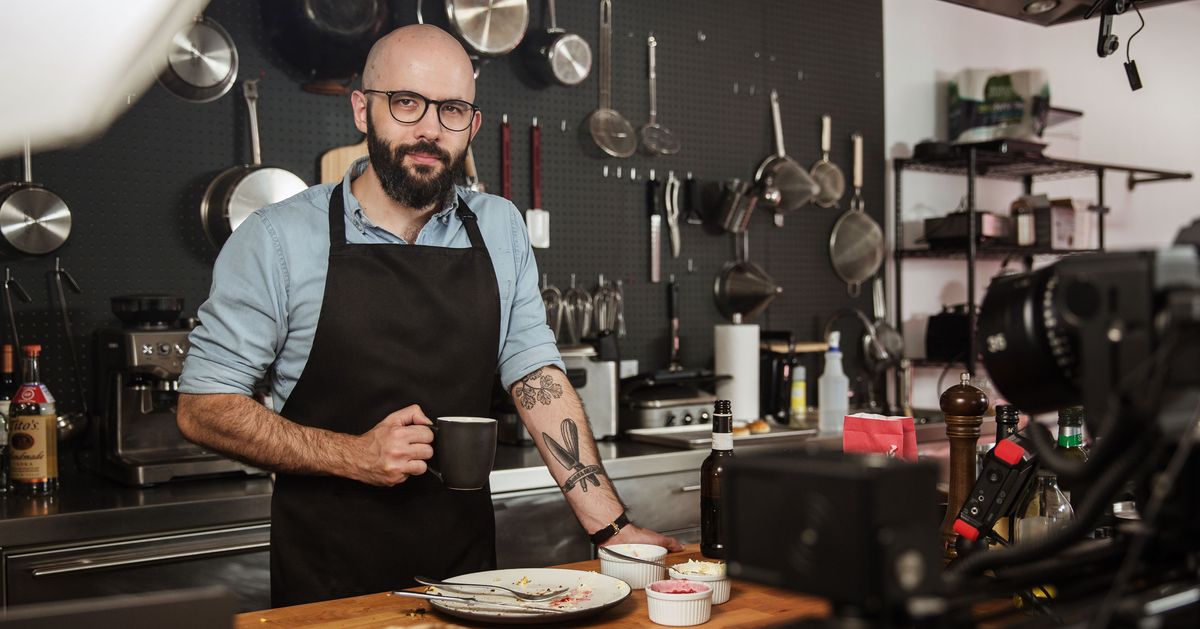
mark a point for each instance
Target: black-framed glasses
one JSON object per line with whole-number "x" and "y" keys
{"x": 409, "y": 107}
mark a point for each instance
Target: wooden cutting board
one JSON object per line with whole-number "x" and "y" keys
{"x": 750, "y": 605}
{"x": 334, "y": 162}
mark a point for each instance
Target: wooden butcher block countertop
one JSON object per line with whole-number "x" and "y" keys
{"x": 749, "y": 605}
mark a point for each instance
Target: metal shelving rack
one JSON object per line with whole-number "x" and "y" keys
{"x": 974, "y": 162}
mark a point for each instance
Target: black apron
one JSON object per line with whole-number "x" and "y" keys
{"x": 399, "y": 325}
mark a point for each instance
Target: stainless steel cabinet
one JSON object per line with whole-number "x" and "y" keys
{"x": 237, "y": 557}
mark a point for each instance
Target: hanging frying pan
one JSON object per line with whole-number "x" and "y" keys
{"x": 558, "y": 57}
{"x": 486, "y": 28}
{"x": 326, "y": 40}
{"x": 33, "y": 219}
{"x": 856, "y": 243}
{"x": 780, "y": 177}
{"x": 241, "y": 190}
{"x": 202, "y": 63}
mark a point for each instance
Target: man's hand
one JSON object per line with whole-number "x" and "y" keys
{"x": 396, "y": 448}
{"x": 631, "y": 534}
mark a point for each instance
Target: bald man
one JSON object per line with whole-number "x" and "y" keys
{"x": 375, "y": 304}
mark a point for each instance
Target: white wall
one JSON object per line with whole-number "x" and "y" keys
{"x": 928, "y": 41}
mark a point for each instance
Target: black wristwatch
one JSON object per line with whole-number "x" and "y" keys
{"x": 614, "y": 527}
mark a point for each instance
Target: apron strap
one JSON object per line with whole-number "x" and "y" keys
{"x": 337, "y": 220}
{"x": 337, "y": 217}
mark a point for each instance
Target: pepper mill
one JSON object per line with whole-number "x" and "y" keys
{"x": 964, "y": 406}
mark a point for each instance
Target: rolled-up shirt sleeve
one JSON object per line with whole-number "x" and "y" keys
{"x": 243, "y": 322}
{"x": 529, "y": 344}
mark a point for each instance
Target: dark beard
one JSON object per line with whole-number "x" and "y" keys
{"x": 415, "y": 190}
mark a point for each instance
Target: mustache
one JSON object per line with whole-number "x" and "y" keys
{"x": 427, "y": 148}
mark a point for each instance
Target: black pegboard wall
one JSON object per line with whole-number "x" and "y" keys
{"x": 135, "y": 192}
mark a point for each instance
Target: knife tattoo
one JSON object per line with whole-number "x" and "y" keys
{"x": 538, "y": 387}
{"x": 567, "y": 454}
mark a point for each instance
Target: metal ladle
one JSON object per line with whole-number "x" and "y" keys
{"x": 656, "y": 139}
{"x": 73, "y": 423}
{"x": 609, "y": 129}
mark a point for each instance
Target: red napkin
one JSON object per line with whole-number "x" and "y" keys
{"x": 894, "y": 436}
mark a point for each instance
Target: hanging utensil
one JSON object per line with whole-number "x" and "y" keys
{"x": 202, "y": 62}
{"x": 856, "y": 242}
{"x": 558, "y": 57}
{"x": 671, "y": 202}
{"x": 472, "y": 173}
{"x": 609, "y": 129}
{"x": 327, "y": 41}
{"x": 742, "y": 287}
{"x": 73, "y": 423}
{"x": 780, "y": 177}
{"x": 11, "y": 284}
{"x": 606, "y": 304}
{"x": 654, "y": 195}
{"x": 486, "y": 28}
{"x": 889, "y": 347}
{"x": 553, "y": 299}
{"x": 505, "y": 158}
{"x": 537, "y": 220}
{"x": 578, "y": 313}
{"x": 656, "y": 139}
{"x": 239, "y": 191}
{"x": 829, "y": 177}
{"x": 33, "y": 219}
{"x": 673, "y": 363}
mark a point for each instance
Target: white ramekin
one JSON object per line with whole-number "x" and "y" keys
{"x": 718, "y": 583}
{"x": 637, "y": 575}
{"x": 679, "y": 610}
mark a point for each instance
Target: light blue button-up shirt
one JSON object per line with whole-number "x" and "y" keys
{"x": 269, "y": 281}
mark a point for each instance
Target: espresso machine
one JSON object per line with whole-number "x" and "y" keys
{"x": 136, "y": 440}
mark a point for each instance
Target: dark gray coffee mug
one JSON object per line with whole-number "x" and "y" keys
{"x": 464, "y": 450}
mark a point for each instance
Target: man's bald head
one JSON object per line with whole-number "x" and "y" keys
{"x": 414, "y": 53}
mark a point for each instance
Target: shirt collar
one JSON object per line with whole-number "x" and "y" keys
{"x": 354, "y": 209}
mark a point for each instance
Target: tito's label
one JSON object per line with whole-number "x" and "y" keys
{"x": 33, "y": 447}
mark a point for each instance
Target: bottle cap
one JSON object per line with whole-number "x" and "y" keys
{"x": 723, "y": 407}
{"x": 33, "y": 350}
{"x": 1072, "y": 415}
{"x": 835, "y": 341}
{"x": 1007, "y": 414}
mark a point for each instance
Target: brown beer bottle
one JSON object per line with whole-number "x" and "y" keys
{"x": 713, "y": 539}
{"x": 33, "y": 435}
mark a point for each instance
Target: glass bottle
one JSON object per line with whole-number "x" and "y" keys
{"x": 712, "y": 537}
{"x": 33, "y": 434}
{"x": 1070, "y": 444}
{"x": 1007, "y": 420}
{"x": 1046, "y": 510}
{"x": 8, "y": 386}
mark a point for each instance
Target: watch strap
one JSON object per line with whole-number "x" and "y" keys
{"x": 614, "y": 527}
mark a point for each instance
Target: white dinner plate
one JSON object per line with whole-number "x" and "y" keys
{"x": 590, "y": 593}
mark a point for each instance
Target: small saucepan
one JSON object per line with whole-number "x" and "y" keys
{"x": 33, "y": 219}
{"x": 556, "y": 56}
{"x": 241, "y": 190}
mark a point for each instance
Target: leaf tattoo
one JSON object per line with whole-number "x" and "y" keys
{"x": 538, "y": 387}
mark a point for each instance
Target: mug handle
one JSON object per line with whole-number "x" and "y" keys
{"x": 429, "y": 465}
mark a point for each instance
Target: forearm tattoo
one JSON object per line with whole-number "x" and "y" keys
{"x": 567, "y": 454}
{"x": 538, "y": 387}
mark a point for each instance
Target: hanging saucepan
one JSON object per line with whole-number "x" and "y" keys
{"x": 742, "y": 287}
{"x": 856, "y": 243}
{"x": 558, "y": 57}
{"x": 239, "y": 191}
{"x": 486, "y": 28}
{"x": 33, "y": 219}
{"x": 785, "y": 186}
{"x": 202, "y": 63}
{"x": 327, "y": 40}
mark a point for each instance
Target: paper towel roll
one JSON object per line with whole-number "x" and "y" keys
{"x": 736, "y": 354}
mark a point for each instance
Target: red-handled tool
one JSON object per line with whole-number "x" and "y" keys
{"x": 505, "y": 158}
{"x": 537, "y": 219}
